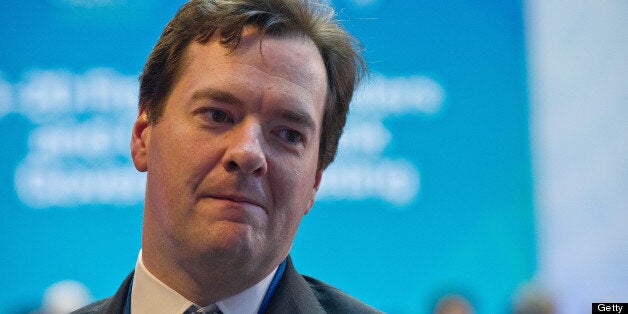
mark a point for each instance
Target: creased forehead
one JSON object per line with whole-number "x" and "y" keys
{"x": 305, "y": 64}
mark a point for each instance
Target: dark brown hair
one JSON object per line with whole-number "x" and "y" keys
{"x": 198, "y": 20}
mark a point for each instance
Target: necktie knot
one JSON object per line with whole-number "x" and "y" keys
{"x": 210, "y": 309}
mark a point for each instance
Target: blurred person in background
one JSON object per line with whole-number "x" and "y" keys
{"x": 453, "y": 304}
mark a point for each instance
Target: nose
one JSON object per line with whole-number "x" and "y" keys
{"x": 245, "y": 152}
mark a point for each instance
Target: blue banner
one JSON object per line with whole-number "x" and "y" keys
{"x": 430, "y": 196}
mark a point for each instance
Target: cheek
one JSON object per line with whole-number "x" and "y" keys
{"x": 183, "y": 155}
{"x": 172, "y": 168}
{"x": 292, "y": 187}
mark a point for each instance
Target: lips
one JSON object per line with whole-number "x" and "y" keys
{"x": 237, "y": 199}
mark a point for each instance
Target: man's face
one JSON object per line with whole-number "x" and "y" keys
{"x": 232, "y": 163}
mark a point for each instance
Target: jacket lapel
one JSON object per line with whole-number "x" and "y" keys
{"x": 116, "y": 303}
{"x": 293, "y": 294}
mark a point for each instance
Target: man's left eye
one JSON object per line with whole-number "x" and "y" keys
{"x": 291, "y": 136}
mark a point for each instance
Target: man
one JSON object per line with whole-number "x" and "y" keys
{"x": 242, "y": 103}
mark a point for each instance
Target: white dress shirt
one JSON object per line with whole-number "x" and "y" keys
{"x": 151, "y": 296}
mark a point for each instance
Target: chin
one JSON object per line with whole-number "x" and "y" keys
{"x": 232, "y": 240}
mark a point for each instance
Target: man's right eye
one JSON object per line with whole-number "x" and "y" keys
{"x": 218, "y": 116}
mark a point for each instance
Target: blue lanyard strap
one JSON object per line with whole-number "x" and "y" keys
{"x": 127, "y": 304}
{"x": 269, "y": 293}
{"x": 272, "y": 287}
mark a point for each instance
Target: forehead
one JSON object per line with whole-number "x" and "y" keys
{"x": 290, "y": 56}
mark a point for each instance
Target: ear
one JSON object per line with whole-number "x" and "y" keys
{"x": 140, "y": 137}
{"x": 317, "y": 183}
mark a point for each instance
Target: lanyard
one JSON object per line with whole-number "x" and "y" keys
{"x": 127, "y": 303}
{"x": 272, "y": 287}
{"x": 269, "y": 293}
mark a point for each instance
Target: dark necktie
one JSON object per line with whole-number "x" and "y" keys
{"x": 210, "y": 309}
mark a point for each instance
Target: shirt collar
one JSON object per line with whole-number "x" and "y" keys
{"x": 151, "y": 295}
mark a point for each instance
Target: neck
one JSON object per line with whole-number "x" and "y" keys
{"x": 202, "y": 279}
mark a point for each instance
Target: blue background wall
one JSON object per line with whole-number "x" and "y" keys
{"x": 431, "y": 192}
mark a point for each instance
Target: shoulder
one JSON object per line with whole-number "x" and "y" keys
{"x": 334, "y": 300}
{"x": 102, "y": 306}
{"x": 305, "y": 295}
{"x": 113, "y": 305}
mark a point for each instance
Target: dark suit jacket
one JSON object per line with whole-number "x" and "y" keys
{"x": 294, "y": 294}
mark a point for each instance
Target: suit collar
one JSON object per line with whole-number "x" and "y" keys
{"x": 293, "y": 294}
{"x": 116, "y": 303}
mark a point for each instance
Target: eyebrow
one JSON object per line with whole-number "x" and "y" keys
{"x": 217, "y": 95}
{"x": 298, "y": 117}
{"x": 295, "y": 116}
